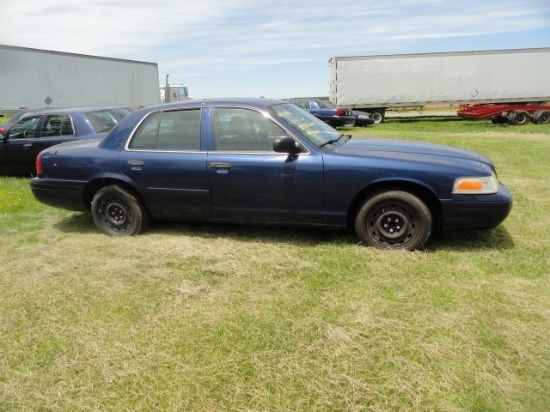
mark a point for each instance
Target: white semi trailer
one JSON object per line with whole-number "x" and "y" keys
{"x": 376, "y": 83}
{"x": 33, "y": 78}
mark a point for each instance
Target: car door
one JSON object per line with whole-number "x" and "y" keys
{"x": 30, "y": 136}
{"x": 17, "y": 154}
{"x": 250, "y": 182}
{"x": 165, "y": 161}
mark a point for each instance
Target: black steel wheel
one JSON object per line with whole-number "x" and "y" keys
{"x": 394, "y": 220}
{"x": 519, "y": 117}
{"x": 116, "y": 212}
{"x": 541, "y": 117}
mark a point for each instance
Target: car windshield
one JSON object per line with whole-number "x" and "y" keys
{"x": 307, "y": 125}
{"x": 17, "y": 116}
{"x": 325, "y": 104}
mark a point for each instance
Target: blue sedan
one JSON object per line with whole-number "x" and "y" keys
{"x": 362, "y": 119}
{"x": 38, "y": 129}
{"x": 268, "y": 162}
{"x": 327, "y": 111}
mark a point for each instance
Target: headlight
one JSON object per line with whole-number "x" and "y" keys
{"x": 482, "y": 185}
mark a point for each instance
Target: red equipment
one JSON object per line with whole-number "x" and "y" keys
{"x": 517, "y": 114}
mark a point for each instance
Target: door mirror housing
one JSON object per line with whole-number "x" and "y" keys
{"x": 287, "y": 145}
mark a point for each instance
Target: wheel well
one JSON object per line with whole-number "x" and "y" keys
{"x": 94, "y": 186}
{"x": 424, "y": 194}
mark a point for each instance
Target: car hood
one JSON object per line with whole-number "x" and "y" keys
{"x": 380, "y": 147}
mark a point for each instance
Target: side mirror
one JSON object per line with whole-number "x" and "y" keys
{"x": 286, "y": 145}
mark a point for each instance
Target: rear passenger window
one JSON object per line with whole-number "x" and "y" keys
{"x": 180, "y": 130}
{"x": 177, "y": 130}
{"x": 146, "y": 135}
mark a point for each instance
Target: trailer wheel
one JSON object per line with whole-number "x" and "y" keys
{"x": 519, "y": 117}
{"x": 378, "y": 115}
{"x": 499, "y": 119}
{"x": 541, "y": 117}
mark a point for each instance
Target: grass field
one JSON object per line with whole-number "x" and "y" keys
{"x": 200, "y": 317}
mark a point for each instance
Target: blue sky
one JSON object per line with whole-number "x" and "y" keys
{"x": 278, "y": 49}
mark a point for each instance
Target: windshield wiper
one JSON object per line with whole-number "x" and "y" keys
{"x": 331, "y": 141}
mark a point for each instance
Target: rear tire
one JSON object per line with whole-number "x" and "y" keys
{"x": 541, "y": 117}
{"x": 117, "y": 212}
{"x": 519, "y": 117}
{"x": 394, "y": 220}
{"x": 378, "y": 115}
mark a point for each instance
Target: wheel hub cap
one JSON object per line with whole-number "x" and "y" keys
{"x": 392, "y": 225}
{"x": 116, "y": 214}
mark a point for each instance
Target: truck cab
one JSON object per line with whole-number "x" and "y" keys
{"x": 174, "y": 93}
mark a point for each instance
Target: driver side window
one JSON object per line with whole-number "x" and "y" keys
{"x": 25, "y": 128}
{"x": 243, "y": 130}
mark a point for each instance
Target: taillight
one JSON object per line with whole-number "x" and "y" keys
{"x": 339, "y": 112}
{"x": 38, "y": 166}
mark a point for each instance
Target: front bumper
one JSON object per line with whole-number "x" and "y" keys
{"x": 341, "y": 121}
{"x": 477, "y": 211}
{"x": 363, "y": 121}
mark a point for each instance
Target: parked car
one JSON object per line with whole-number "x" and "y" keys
{"x": 4, "y": 127}
{"x": 37, "y": 130}
{"x": 362, "y": 119}
{"x": 327, "y": 111}
{"x": 268, "y": 162}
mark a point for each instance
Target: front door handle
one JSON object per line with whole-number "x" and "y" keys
{"x": 220, "y": 165}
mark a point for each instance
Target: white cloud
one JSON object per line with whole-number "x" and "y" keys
{"x": 207, "y": 38}
{"x": 248, "y": 26}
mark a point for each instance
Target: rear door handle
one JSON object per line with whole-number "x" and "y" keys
{"x": 221, "y": 167}
{"x": 27, "y": 146}
{"x": 136, "y": 164}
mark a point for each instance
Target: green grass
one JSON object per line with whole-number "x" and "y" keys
{"x": 199, "y": 317}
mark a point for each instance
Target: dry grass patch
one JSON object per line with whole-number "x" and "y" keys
{"x": 212, "y": 317}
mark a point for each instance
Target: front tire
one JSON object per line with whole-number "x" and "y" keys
{"x": 117, "y": 212}
{"x": 394, "y": 220}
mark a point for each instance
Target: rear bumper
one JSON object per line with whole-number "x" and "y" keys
{"x": 477, "y": 212}
{"x": 59, "y": 193}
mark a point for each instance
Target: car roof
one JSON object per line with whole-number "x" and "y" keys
{"x": 305, "y": 98}
{"x": 70, "y": 110}
{"x": 257, "y": 102}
